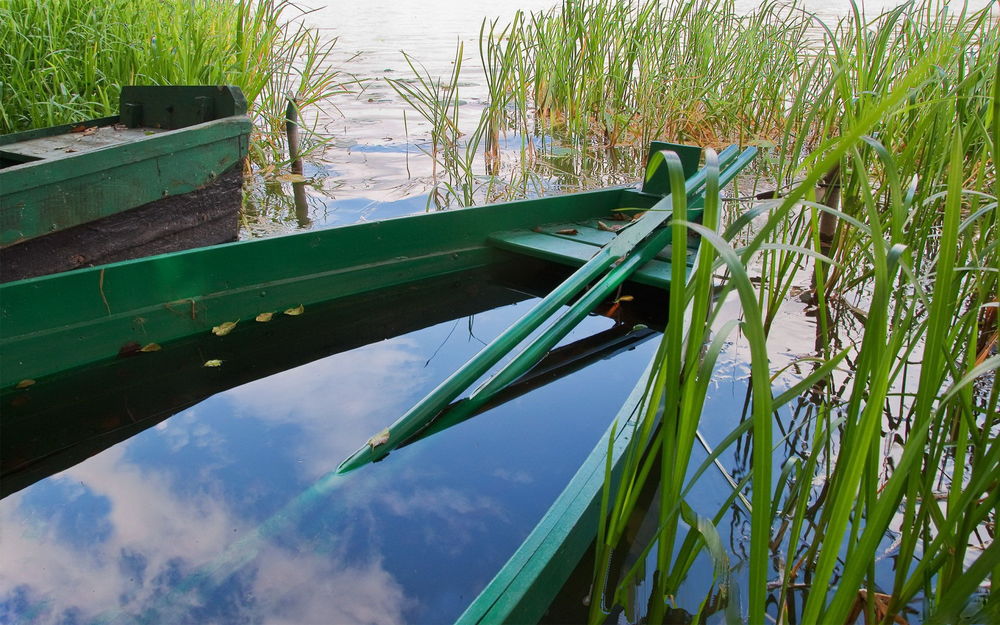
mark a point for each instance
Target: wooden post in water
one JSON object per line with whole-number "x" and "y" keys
{"x": 829, "y": 196}
{"x": 827, "y": 221}
{"x": 292, "y": 131}
{"x": 298, "y": 188}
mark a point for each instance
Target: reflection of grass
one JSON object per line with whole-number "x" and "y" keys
{"x": 66, "y": 60}
{"x": 899, "y": 453}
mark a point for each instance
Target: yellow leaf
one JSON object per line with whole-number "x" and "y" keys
{"x": 24, "y": 383}
{"x": 624, "y": 298}
{"x": 224, "y": 328}
{"x": 150, "y": 347}
{"x": 298, "y": 310}
{"x": 291, "y": 178}
{"x": 264, "y": 317}
{"x": 379, "y": 439}
{"x": 213, "y": 363}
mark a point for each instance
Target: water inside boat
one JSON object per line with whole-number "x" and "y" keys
{"x": 163, "y": 490}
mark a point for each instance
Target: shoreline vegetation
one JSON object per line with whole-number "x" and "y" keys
{"x": 870, "y": 476}
{"x": 871, "y": 466}
{"x": 66, "y": 60}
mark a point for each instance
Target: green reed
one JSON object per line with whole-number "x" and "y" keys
{"x": 882, "y": 134}
{"x": 66, "y": 60}
{"x": 627, "y": 73}
{"x": 909, "y": 128}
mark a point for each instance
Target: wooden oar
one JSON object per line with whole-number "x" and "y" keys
{"x": 618, "y": 250}
{"x": 541, "y": 345}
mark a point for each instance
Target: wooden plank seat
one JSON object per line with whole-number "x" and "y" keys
{"x": 555, "y": 242}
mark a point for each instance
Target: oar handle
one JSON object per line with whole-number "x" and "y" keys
{"x": 619, "y": 248}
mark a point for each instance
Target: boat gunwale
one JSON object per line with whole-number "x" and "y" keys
{"x": 164, "y": 297}
{"x": 523, "y": 588}
{"x": 117, "y": 155}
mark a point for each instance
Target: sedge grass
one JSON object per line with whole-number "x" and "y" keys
{"x": 921, "y": 257}
{"x": 898, "y": 117}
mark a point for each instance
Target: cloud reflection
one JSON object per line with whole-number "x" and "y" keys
{"x": 120, "y": 536}
{"x": 335, "y": 402}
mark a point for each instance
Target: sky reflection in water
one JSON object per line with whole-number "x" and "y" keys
{"x": 226, "y": 512}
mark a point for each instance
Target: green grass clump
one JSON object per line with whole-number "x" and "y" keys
{"x": 628, "y": 73}
{"x": 896, "y": 413}
{"x": 66, "y": 60}
{"x": 871, "y": 488}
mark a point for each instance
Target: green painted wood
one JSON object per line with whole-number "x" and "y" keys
{"x": 564, "y": 251}
{"x": 656, "y": 181}
{"x": 56, "y": 193}
{"x": 179, "y": 106}
{"x": 125, "y": 396}
{"x": 522, "y": 590}
{"x": 611, "y": 256}
{"x": 564, "y": 323}
{"x": 58, "y": 322}
{"x": 103, "y": 174}
{"x": 631, "y": 248}
{"x": 50, "y": 131}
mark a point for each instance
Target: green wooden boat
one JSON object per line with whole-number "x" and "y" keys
{"x": 74, "y": 416}
{"x": 164, "y": 174}
{"x": 578, "y": 248}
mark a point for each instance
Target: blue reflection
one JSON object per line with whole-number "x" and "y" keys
{"x": 78, "y": 516}
{"x": 227, "y": 512}
{"x": 206, "y": 452}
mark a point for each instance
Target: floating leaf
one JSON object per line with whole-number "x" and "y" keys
{"x": 24, "y": 383}
{"x": 150, "y": 347}
{"x": 298, "y": 310}
{"x": 291, "y": 178}
{"x": 624, "y": 298}
{"x": 224, "y": 328}
{"x": 379, "y": 439}
{"x": 264, "y": 317}
{"x": 213, "y": 363}
{"x": 567, "y": 231}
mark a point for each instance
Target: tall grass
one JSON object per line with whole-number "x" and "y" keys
{"x": 66, "y": 60}
{"x": 883, "y": 135}
{"x": 627, "y": 72}
{"x": 902, "y": 416}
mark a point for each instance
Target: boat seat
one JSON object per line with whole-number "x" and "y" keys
{"x": 574, "y": 243}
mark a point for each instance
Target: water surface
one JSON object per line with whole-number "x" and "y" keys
{"x": 228, "y": 511}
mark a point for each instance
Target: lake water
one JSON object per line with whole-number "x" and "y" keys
{"x": 373, "y": 167}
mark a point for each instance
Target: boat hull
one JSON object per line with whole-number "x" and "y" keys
{"x": 55, "y": 323}
{"x": 125, "y": 186}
